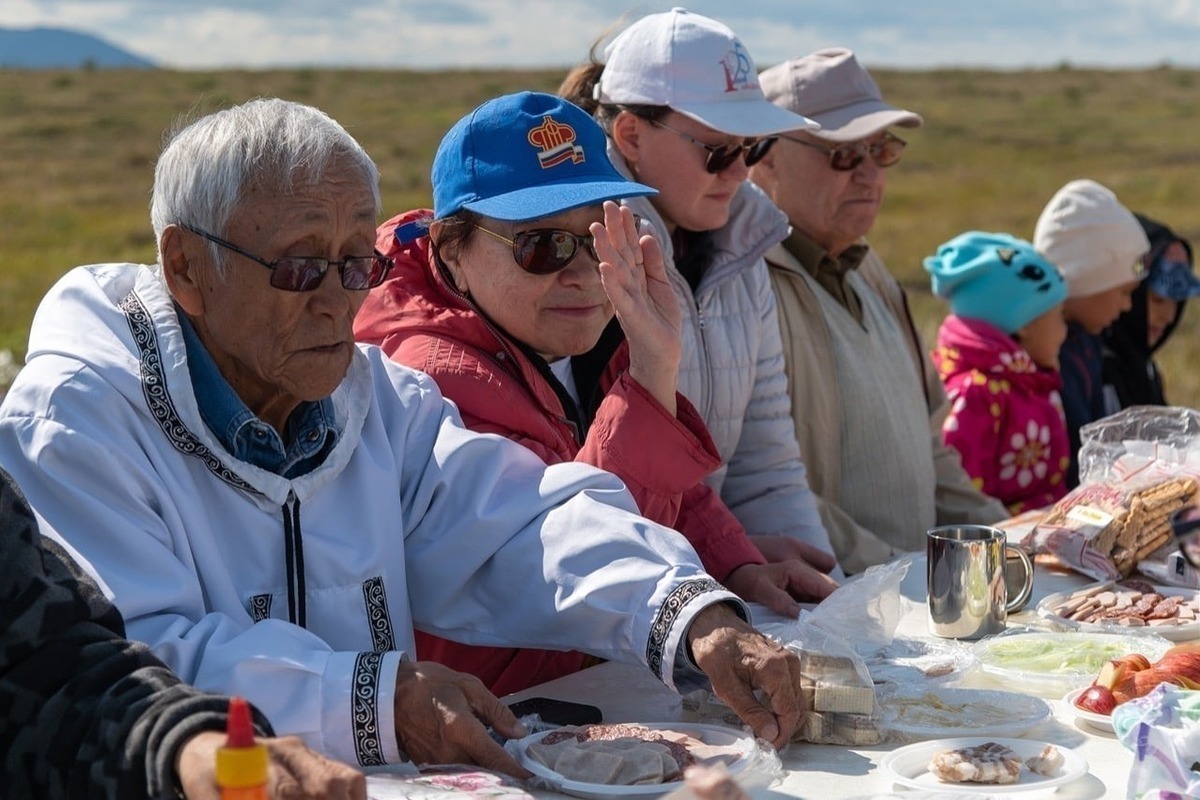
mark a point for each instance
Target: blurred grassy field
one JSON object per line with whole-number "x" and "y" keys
{"x": 77, "y": 150}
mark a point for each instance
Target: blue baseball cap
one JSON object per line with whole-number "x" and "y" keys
{"x": 1173, "y": 279}
{"x": 996, "y": 278}
{"x": 524, "y": 156}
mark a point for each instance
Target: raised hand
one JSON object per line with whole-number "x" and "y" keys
{"x": 635, "y": 280}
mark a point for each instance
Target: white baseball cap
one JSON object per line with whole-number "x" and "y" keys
{"x": 697, "y": 67}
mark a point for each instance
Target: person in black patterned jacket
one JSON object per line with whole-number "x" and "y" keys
{"x": 86, "y": 713}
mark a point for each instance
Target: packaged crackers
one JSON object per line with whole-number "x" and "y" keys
{"x": 1135, "y": 468}
{"x": 1104, "y": 529}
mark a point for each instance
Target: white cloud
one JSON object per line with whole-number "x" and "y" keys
{"x": 522, "y": 33}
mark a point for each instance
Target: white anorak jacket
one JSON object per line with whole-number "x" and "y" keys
{"x": 302, "y": 594}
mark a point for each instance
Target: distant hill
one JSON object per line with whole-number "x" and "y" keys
{"x": 57, "y": 48}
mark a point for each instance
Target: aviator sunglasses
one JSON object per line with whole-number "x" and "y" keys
{"x": 846, "y": 157}
{"x": 544, "y": 251}
{"x": 303, "y": 274}
{"x": 721, "y": 156}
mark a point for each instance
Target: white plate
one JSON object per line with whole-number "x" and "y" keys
{"x": 938, "y": 712}
{"x": 909, "y": 766}
{"x": 709, "y": 734}
{"x": 1176, "y": 632}
{"x": 1101, "y": 722}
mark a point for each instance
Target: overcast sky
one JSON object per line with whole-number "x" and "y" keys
{"x": 436, "y": 34}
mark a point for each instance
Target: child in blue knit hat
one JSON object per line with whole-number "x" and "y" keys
{"x": 997, "y": 355}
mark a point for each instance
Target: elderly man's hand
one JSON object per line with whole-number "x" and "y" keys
{"x": 440, "y": 718}
{"x": 294, "y": 771}
{"x": 779, "y": 585}
{"x": 738, "y": 660}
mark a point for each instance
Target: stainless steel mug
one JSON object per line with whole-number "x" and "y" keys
{"x": 968, "y": 574}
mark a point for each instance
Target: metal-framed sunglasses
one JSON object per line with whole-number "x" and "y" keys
{"x": 304, "y": 274}
{"x": 545, "y": 251}
{"x": 844, "y": 157}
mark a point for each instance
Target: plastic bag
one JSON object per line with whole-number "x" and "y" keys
{"x": 757, "y": 766}
{"x": 1162, "y": 730}
{"x": 839, "y": 693}
{"x": 1136, "y": 467}
{"x": 446, "y": 782}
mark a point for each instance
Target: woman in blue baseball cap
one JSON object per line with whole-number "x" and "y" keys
{"x": 997, "y": 354}
{"x": 544, "y": 312}
{"x": 1131, "y": 377}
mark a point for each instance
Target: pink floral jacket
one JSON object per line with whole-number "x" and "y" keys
{"x": 1006, "y": 414}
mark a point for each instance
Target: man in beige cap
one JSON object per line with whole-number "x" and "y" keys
{"x": 866, "y": 402}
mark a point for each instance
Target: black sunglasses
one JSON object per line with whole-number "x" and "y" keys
{"x": 1185, "y": 525}
{"x": 845, "y": 157}
{"x": 544, "y": 251}
{"x": 720, "y": 157}
{"x": 303, "y": 274}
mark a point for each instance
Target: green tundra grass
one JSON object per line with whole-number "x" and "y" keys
{"x": 77, "y": 150}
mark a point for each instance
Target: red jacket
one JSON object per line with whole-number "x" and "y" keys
{"x": 421, "y": 320}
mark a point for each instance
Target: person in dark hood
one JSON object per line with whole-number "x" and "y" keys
{"x": 1130, "y": 375}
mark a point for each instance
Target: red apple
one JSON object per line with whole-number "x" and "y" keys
{"x": 1098, "y": 699}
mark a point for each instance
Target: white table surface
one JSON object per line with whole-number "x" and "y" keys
{"x": 628, "y": 693}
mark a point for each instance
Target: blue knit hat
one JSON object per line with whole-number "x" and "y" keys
{"x": 996, "y": 278}
{"x": 524, "y": 156}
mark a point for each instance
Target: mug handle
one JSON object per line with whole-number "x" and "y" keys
{"x": 1017, "y": 603}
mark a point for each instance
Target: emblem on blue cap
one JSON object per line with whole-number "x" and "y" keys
{"x": 556, "y": 141}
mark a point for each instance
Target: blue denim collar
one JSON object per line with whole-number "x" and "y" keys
{"x": 311, "y": 429}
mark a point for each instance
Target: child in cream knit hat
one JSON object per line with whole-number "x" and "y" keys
{"x": 997, "y": 354}
{"x": 1098, "y": 245}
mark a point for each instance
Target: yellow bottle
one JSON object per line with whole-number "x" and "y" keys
{"x": 242, "y": 762}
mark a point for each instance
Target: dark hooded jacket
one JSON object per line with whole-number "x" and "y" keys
{"x": 1130, "y": 375}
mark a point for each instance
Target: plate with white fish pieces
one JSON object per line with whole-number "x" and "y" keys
{"x": 1128, "y": 606}
{"x": 963, "y": 765}
{"x": 911, "y": 713}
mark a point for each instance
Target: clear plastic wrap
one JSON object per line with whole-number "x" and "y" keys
{"x": 1136, "y": 467}
{"x": 753, "y": 763}
{"x": 839, "y": 692}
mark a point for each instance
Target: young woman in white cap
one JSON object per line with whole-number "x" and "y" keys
{"x": 501, "y": 294}
{"x": 678, "y": 95}
{"x": 1099, "y": 246}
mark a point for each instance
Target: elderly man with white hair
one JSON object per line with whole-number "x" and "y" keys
{"x": 866, "y": 402}
{"x": 274, "y": 508}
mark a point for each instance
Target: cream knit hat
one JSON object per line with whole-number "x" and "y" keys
{"x": 1095, "y": 242}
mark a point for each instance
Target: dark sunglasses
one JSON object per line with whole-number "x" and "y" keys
{"x": 303, "y": 274}
{"x": 845, "y": 157}
{"x": 544, "y": 251}
{"x": 1185, "y": 525}
{"x": 720, "y": 157}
